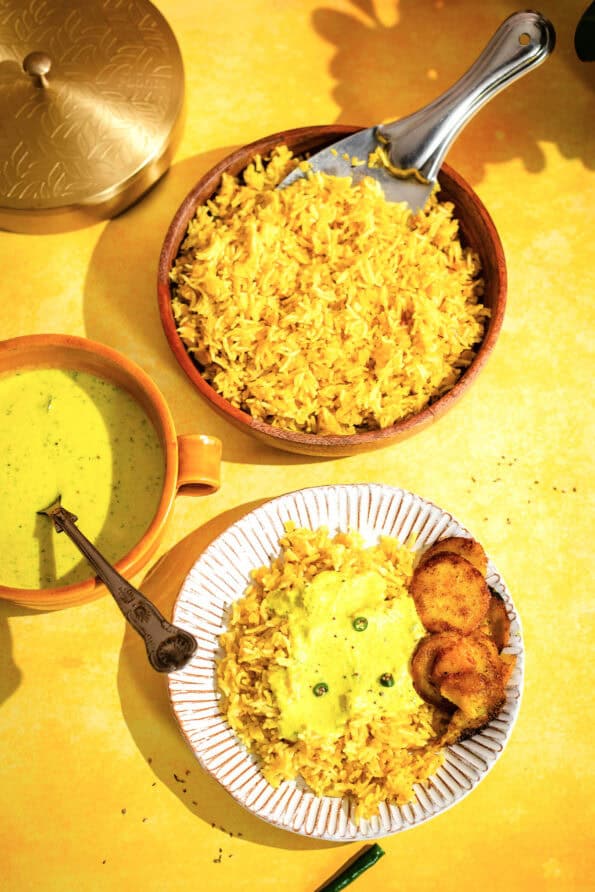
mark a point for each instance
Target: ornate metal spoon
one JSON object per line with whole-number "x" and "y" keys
{"x": 168, "y": 647}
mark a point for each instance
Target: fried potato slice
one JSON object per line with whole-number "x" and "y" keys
{"x": 462, "y": 726}
{"x": 452, "y": 659}
{"x": 478, "y": 696}
{"x": 449, "y": 594}
{"x": 470, "y": 549}
{"x": 472, "y": 653}
{"x": 497, "y": 623}
{"x": 422, "y": 663}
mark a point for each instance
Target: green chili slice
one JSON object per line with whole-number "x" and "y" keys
{"x": 319, "y": 689}
{"x": 386, "y": 680}
{"x": 360, "y": 623}
{"x": 353, "y": 869}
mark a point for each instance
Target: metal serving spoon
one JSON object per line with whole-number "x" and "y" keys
{"x": 412, "y": 149}
{"x": 168, "y": 647}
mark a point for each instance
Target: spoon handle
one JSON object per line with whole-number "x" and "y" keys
{"x": 168, "y": 647}
{"x": 420, "y": 141}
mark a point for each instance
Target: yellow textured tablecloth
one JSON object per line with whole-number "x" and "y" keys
{"x": 97, "y": 788}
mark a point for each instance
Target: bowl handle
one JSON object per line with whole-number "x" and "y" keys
{"x": 199, "y": 464}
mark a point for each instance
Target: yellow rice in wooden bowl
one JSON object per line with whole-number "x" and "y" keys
{"x": 322, "y": 317}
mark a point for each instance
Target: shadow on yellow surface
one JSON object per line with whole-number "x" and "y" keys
{"x": 10, "y": 674}
{"x": 426, "y": 46}
{"x": 149, "y": 716}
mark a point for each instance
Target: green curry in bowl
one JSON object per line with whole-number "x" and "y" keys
{"x": 70, "y": 433}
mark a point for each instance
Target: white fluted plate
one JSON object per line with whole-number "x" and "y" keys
{"x": 221, "y": 576}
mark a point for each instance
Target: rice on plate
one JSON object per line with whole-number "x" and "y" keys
{"x": 375, "y": 749}
{"x": 321, "y": 307}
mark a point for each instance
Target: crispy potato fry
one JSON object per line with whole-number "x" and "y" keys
{"x": 470, "y": 549}
{"x": 422, "y": 664}
{"x": 459, "y": 665}
{"x": 461, "y": 726}
{"x": 449, "y": 593}
{"x": 472, "y": 653}
{"x": 451, "y": 659}
{"x": 478, "y": 696}
{"x": 497, "y": 623}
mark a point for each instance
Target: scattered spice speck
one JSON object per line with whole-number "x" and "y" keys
{"x": 123, "y": 811}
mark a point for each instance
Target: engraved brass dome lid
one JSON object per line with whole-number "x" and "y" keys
{"x": 91, "y": 101}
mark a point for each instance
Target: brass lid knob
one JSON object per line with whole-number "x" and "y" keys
{"x": 38, "y": 65}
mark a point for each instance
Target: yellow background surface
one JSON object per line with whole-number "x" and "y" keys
{"x": 98, "y": 790}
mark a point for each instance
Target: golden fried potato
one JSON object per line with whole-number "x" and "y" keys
{"x": 479, "y": 696}
{"x": 462, "y": 726}
{"x": 471, "y": 653}
{"x": 470, "y": 549}
{"x": 497, "y": 623}
{"x": 449, "y": 593}
{"x": 453, "y": 658}
{"x": 422, "y": 664}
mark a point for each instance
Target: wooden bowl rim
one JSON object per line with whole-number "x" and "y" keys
{"x": 234, "y": 162}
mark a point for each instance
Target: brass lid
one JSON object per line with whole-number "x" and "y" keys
{"x": 91, "y": 100}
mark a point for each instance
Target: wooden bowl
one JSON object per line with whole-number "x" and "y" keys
{"x": 192, "y": 461}
{"x": 476, "y": 229}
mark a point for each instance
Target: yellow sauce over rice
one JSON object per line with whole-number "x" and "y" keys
{"x": 321, "y": 307}
{"x": 350, "y": 647}
{"x": 375, "y": 755}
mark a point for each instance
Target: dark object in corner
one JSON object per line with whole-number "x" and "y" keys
{"x": 353, "y": 869}
{"x": 584, "y": 36}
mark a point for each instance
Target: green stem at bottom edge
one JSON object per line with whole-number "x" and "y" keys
{"x": 353, "y": 869}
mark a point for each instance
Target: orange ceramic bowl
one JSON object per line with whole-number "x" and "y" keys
{"x": 476, "y": 230}
{"x": 192, "y": 461}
